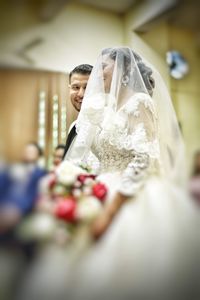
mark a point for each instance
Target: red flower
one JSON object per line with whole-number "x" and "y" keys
{"x": 92, "y": 176}
{"x": 66, "y": 209}
{"x": 99, "y": 190}
{"x": 83, "y": 177}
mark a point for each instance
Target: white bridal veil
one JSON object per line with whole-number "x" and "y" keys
{"x": 117, "y": 76}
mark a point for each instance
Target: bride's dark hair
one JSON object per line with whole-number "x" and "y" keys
{"x": 125, "y": 54}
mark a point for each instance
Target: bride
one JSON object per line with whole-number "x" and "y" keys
{"x": 144, "y": 243}
{"x": 146, "y": 234}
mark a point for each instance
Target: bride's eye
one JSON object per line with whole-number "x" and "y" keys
{"x": 152, "y": 82}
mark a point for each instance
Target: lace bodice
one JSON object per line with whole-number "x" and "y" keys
{"x": 132, "y": 151}
{"x": 111, "y": 159}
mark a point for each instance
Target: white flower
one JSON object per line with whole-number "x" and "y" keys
{"x": 88, "y": 181}
{"x": 41, "y": 226}
{"x": 87, "y": 190}
{"x": 67, "y": 172}
{"x": 77, "y": 184}
{"x": 77, "y": 193}
{"x": 88, "y": 209}
{"x": 59, "y": 190}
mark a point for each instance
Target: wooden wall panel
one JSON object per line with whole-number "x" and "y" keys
{"x": 19, "y": 96}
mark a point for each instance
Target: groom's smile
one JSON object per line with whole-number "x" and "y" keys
{"x": 77, "y": 89}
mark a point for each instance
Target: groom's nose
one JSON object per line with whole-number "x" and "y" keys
{"x": 81, "y": 92}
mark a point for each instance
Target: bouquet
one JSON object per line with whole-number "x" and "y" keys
{"x": 70, "y": 198}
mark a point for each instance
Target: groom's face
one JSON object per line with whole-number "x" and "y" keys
{"x": 77, "y": 88}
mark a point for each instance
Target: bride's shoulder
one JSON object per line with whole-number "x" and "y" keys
{"x": 133, "y": 103}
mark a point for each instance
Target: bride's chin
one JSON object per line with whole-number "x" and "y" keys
{"x": 107, "y": 90}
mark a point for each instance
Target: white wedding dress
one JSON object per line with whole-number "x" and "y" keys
{"x": 149, "y": 248}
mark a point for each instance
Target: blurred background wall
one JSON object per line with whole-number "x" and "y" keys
{"x": 41, "y": 41}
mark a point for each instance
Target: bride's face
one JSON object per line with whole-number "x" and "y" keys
{"x": 108, "y": 67}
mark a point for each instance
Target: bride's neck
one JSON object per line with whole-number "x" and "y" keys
{"x": 124, "y": 95}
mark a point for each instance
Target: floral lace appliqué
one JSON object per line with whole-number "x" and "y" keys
{"x": 132, "y": 105}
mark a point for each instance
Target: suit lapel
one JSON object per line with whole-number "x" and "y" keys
{"x": 70, "y": 138}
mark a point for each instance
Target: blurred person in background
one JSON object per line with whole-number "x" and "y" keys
{"x": 32, "y": 154}
{"x": 57, "y": 156}
{"x": 194, "y": 185}
{"x": 19, "y": 188}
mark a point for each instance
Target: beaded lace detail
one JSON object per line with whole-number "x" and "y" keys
{"x": 132, "y": 153}
{"x": 111, "y": 158}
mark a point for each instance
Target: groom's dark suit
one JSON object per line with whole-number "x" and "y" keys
{"x": 70, "y": 138}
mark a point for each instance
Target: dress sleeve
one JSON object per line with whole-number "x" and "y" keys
{"x": 142, "y": 140}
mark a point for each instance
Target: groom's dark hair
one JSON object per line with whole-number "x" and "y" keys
{"x": 84, "y": 69}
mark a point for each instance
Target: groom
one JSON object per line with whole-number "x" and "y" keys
{"x": 78, "y": 79}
